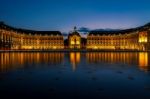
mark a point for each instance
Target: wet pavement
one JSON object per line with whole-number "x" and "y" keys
{"x": 93, "y": 75}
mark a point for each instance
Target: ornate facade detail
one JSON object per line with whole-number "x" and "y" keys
{"x": 74, "y": 40}
{"x": 13, "y": 38}
{"x": 21, "y": 39}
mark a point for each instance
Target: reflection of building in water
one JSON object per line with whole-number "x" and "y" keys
{"x": 144, "y": 61}
{"x": 141, "y": 59}
{"x": 74, "y": 59}
{"x": 112, "y": 57}
{"x": 9, "y": 61}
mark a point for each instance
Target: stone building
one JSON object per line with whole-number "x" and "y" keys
{"x": 74, "y": 40}
{"x": 14, "y": 38}
{"x": 129, "y": 39}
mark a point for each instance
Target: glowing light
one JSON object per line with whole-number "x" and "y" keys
{"x": 77, "y": 42}
{"x": 27, "y": 47}
{"x": 143, "y": 40}
{"x": 143, "y": 37}
{"x": 74, "y": 58}
{"x": 143, "y": 60}
{"x": 54, "y": 47}
{"x": 95, "y": 47}
{"x": 72, "y": 42}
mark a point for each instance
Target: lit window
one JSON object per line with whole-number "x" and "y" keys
{"x": 72, "y": 42}
{"x": 77, "y": 42}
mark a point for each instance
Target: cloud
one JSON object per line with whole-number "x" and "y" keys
{"x": 84, "y": 29}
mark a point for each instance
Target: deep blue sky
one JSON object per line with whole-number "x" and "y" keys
{"x": 63, "y": 15}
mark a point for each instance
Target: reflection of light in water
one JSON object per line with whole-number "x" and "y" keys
{"x": 143, "y": 60}
{"x": 9, "y": 61}
{"x": 74, "y": 59}
{"x": 129, "y": 58}
{"x": 112, "y": 57}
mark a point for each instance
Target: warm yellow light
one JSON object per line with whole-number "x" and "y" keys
{"x": 72, "y": 42}
{"x": 95, "y": 47}
{"x": 77, "y": 42}
{"x": 143, "y": 60}
{"x": 27, "y": 47}
{"x": 143, "y": 37}
{"x": 78, "y": 57}
{"x": 143, "y": 40}
{"x": 75, "y": 59}
{"x": 54, "y": 47}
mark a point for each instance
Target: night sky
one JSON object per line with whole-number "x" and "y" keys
{"x": 63, "y": 15}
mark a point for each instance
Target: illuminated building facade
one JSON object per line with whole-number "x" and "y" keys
{"x": 74, "y": 40}
{"x": 130, "y": 39}
{"x": 13, "y": 38}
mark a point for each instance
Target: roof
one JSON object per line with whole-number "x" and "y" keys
{"x": 32, "y": 32}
